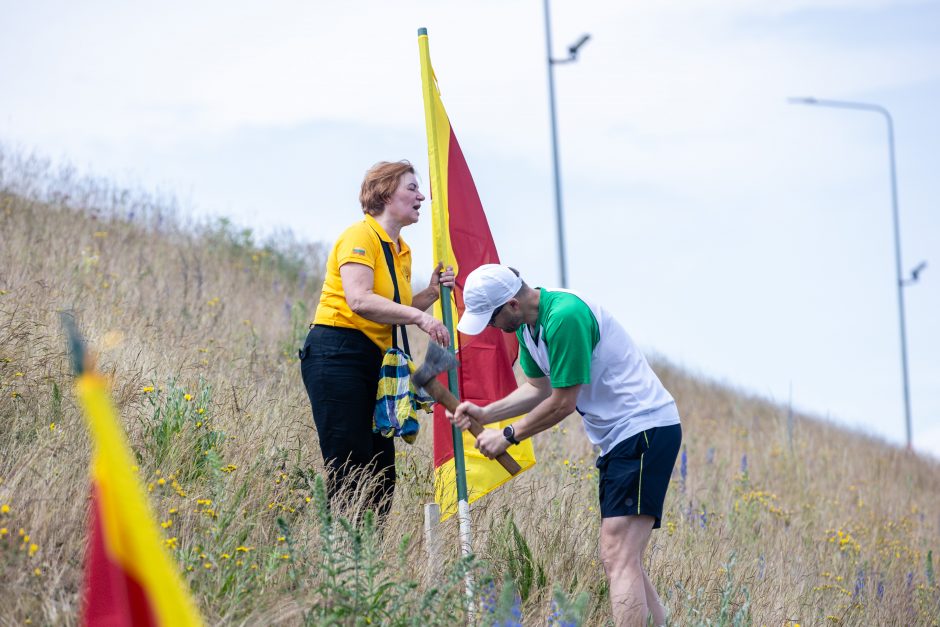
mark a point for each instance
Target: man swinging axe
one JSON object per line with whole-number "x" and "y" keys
{"x": 577, "y": 357}
{"x": 436, "y": 361}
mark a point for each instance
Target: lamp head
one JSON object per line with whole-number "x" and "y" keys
{"x": 573, "y": 48}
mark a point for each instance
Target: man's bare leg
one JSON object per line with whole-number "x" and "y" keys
{"x": 623, "y": 540}
{"x": 653, "y": 601}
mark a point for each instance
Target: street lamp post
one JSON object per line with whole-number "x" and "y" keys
{"x": 901, "y": 282}
{"x": 572, "y": 56}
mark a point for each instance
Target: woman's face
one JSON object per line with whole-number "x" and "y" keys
{"x": 405, "y": 203}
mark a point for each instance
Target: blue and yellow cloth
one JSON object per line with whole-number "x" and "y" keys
{"x": 397, "y": 400}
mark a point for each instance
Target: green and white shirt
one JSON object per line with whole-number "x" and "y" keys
{"x": 578, "y": 342}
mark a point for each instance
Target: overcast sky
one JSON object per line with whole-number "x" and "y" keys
{"x": 741, "y": 237}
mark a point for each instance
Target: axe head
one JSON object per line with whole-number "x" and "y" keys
{"x": 436, "y": 361}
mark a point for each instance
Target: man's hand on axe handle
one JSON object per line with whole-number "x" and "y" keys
{"x": 465, "y": 411}
{"x": 490, "y": 442}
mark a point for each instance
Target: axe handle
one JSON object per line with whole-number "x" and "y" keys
{"x": 442, "y": 395}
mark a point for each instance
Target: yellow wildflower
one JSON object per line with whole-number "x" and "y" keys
{"x": 147, "y": 390}
{"x": 244, "y": 549}
{"x": 170, "y": 542}
{"x": 37, "y": 572}
{"x": 33, "y": 548}
{"x": 203, "y": 501}
{"x": 3, "y": 532}
{"x": 167, "y": 523}
{"x": 4, "y": 509}
{"x": 225, "y": 556}
{"x": 173, "y": 510}
{"x": 201, "y": 411}
{"x": 187, "y": 397}
{"x": 281, "y": 539}
{"x": 207, "y": 566}
{"x": 161, "y": 481}
{"x": 51, "y": 426}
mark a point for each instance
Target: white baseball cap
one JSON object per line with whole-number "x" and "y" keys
{"x": 487, "y": 287}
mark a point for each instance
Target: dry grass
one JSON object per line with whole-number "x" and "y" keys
{"x": 817, "y": 526}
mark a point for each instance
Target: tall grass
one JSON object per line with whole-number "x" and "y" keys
{"x": 198, "y": 324}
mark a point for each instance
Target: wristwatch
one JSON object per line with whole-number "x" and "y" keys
{"x": 510, "y": 434}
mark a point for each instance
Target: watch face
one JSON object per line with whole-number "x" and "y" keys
{"x": 509, "y": 432}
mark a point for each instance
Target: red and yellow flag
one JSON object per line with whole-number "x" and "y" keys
{"x": 129, "y": 578}
{"x": 462, "y": 239}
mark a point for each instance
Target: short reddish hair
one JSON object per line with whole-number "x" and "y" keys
{"x": 380, "y": 183}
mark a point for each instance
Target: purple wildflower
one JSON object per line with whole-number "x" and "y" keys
{"x": 488, "y": 598}
{"x": 684, "y": 468}
{"x": 859, "y": 583}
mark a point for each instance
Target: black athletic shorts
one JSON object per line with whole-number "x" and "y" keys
{"x": 635, "y": 474}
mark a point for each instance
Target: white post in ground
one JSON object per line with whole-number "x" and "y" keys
{"x": 433, "y": 546}
{"x": 432, "y": 540}
{"x": 463, "y": 518}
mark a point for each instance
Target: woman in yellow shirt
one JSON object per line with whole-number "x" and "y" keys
{"x": 354, "y": 326}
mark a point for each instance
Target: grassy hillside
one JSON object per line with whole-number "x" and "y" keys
{"x": 768, "y": 522}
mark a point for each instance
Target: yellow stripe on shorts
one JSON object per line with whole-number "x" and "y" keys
{"x": 639, "y": 490}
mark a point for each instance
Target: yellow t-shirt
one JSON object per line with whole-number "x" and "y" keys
{"x": 360, "y": 244}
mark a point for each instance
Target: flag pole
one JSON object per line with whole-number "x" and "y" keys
{"x": 434, "y": 162}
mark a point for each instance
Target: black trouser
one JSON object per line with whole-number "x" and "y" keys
{"x": 340, "y": 368}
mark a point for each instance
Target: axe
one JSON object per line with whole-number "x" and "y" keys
{"x": 436, "y": 361}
